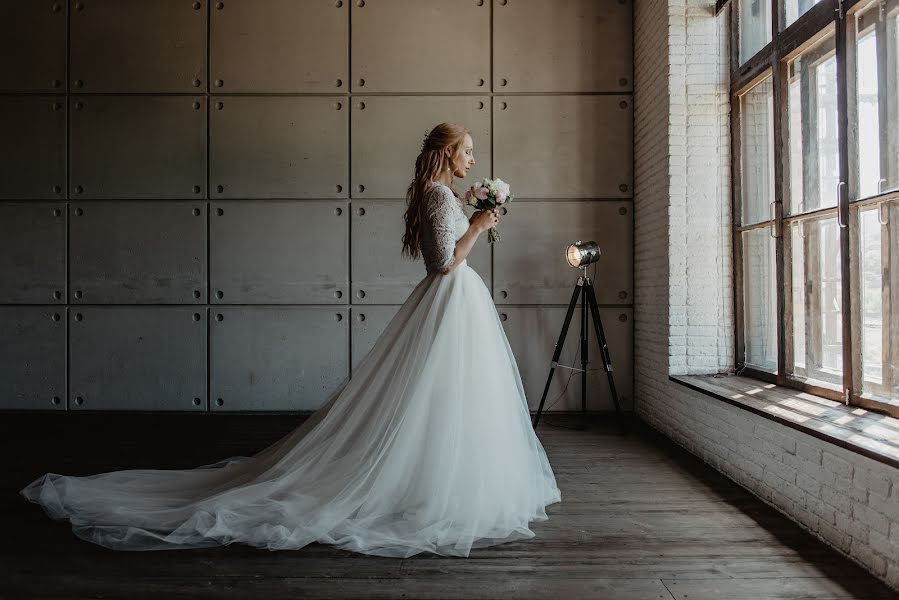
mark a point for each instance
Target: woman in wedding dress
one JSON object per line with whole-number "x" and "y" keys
{"x": 427, "y": 448}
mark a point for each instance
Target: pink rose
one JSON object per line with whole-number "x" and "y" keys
{"x": 481, "y": 193}
{"x": 468, "y": 195}
{"x": 500, "y": 197}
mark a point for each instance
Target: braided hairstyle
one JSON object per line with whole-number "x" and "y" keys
{"x": 431, "y": 161}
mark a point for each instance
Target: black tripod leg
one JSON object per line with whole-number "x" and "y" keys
{"x": 603, "y": 348}
{"x": 558, "y": 351}
{"x": 584, "y": 357}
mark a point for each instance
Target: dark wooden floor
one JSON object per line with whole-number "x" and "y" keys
{"x": 639, "y": 518}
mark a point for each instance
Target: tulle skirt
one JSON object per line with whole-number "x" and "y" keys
{"x": 428, "y": 448}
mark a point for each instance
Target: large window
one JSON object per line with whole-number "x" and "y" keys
{"x": 815, "y": 87}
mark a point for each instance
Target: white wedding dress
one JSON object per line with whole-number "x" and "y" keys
{"x": 428, "y": 448}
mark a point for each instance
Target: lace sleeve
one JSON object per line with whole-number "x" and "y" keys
{"x": 440, "y": 239}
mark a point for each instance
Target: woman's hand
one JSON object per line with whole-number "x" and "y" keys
{"x": 485, "y": 219}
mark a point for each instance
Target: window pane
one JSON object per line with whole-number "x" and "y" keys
{"x": 755, "y": 27}
{"x": 813, "y": 157}
{"x": 874, "y": 121}
{"x": 756, "y": 138}
{"x": 795, "y": 9}
{"x": 816, "y": 301}
{"x": 759, "y": 300}
{"x": 878, "y": 249}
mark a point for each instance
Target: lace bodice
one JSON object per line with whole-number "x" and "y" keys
{"x": 444, "y": 223}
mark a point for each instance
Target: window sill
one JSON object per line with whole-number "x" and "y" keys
{"x": 858, "y": 430}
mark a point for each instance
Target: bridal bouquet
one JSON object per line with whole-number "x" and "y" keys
{"x": 488, "y": 194}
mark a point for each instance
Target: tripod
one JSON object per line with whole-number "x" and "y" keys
{"x": 585, "y": 285}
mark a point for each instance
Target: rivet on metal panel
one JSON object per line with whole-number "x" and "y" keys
{"x": 361, "y": 82}
{"x": 362, "y": 189}
{"x": 79, "y": 212}
{"x": 219, "y": 317}
{"x": 622, "y": 295}
{"x": 56, "y": 317}
{"x": 361, "y": 316}
{"x": 504, "y": 293}
{"x": 219, "y": 294}
{"x": 220, "y": 188}
{"x": 503, "y": 82}
{"x": 360, "y": 212}
{"x": 78, "y": 83}
{"x": 78, "y": 294}
{"x": 338, "y": 4}
{"x": 196, "y": 106}
{"x": 219, "y": 83}
{"x": 622, "y": 210}
{"x": 622, "y": 187}
{"x": 79, "y": 105}
{"x": 220, "y": 5}
{"x": 480, "y": 81}
{"x": 338, "y": 317}
{"x": 219, "y": 402}
{"x": 196, "y": 316}
{"x": 56, "y": 400}
{"x": 502, "y": 2}
{"x": 338, "y": 105}
{"x": 360, "y": 3}
{"x": 338, "y": 211}
{"x": 197, "y": 294}
{"x": 57, "y": 295}
{"x": 339, "y": 82}
{"x": 57, "y": 189}
{"x": 480, "y": 105}
{"x": 56, "y": 7}
{"x": 79, "y": 400}
{"x": 361, "y": 105}
{"x": 622, "y": 104}
{"x": 57, "y": 106}
{"x": 622, "y": 317}
{"x": 503, "y": 105}
{"x": 480, "y": 3}
{"x": 622, "y": 81}
{"x": 360, "y": 294}
{"x": 219, "y": 211}
{"x": 503, "y": 316}
{"x": 196, "y": 402}
{"x": 79, "y": 317}
{"x": 197, "y": 6}
{"x": 79, "y": 189}
{"x": 219, "y": 105}
{"x": 338, "y": 294}
{"x": 339, "y": 188}
{"x": 57, "y": 83}
{"x": 196, "y": 190}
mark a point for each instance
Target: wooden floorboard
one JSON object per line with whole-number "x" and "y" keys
{"x": 639, "y": 518}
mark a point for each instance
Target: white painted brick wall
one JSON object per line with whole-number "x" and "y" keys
{"x": 683, "y": 297}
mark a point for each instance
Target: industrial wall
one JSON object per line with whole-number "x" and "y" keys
{"x": 201, "y": 202}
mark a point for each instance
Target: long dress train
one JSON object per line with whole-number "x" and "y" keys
{"x": 427, "y": 448}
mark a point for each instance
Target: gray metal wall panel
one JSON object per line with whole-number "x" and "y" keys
{"x": 533, "y": 332}
{"x": 388, "y": 132}
{"x": 564, "y": 146}
{"x": 33, "y": 44}
{"x": 32, "y": 147}
{"x": 129, "y": 147}
{"x": 33, "y": 357}
{"x": 137, "y": 252}
{"x": 279, "y": 46}
{"x": 279, "y": 252}
{"x": 277, "y": 358}
{"x": 278, "y": 147}
{"x": 530, "y": 259}
{"x": 447, "y": 51}
{"x": 32, "y": 253}
{"x": 368, "y": 324}
{"x": 137, "y": 358}
{"x": 157, "y": 46}
{"x": 587, "y": 48}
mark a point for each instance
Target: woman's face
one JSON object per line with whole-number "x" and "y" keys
{"x": 463, "y": 161}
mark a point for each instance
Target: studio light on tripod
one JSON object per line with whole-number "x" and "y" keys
{"x": 580, "y": 254}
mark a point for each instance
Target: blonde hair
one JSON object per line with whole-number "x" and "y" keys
{"x": 431, "y": 161}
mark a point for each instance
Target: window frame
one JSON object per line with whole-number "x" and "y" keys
{"x": 828, "y": 17}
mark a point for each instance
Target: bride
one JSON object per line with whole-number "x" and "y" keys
{"x": 427, "y": 448}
